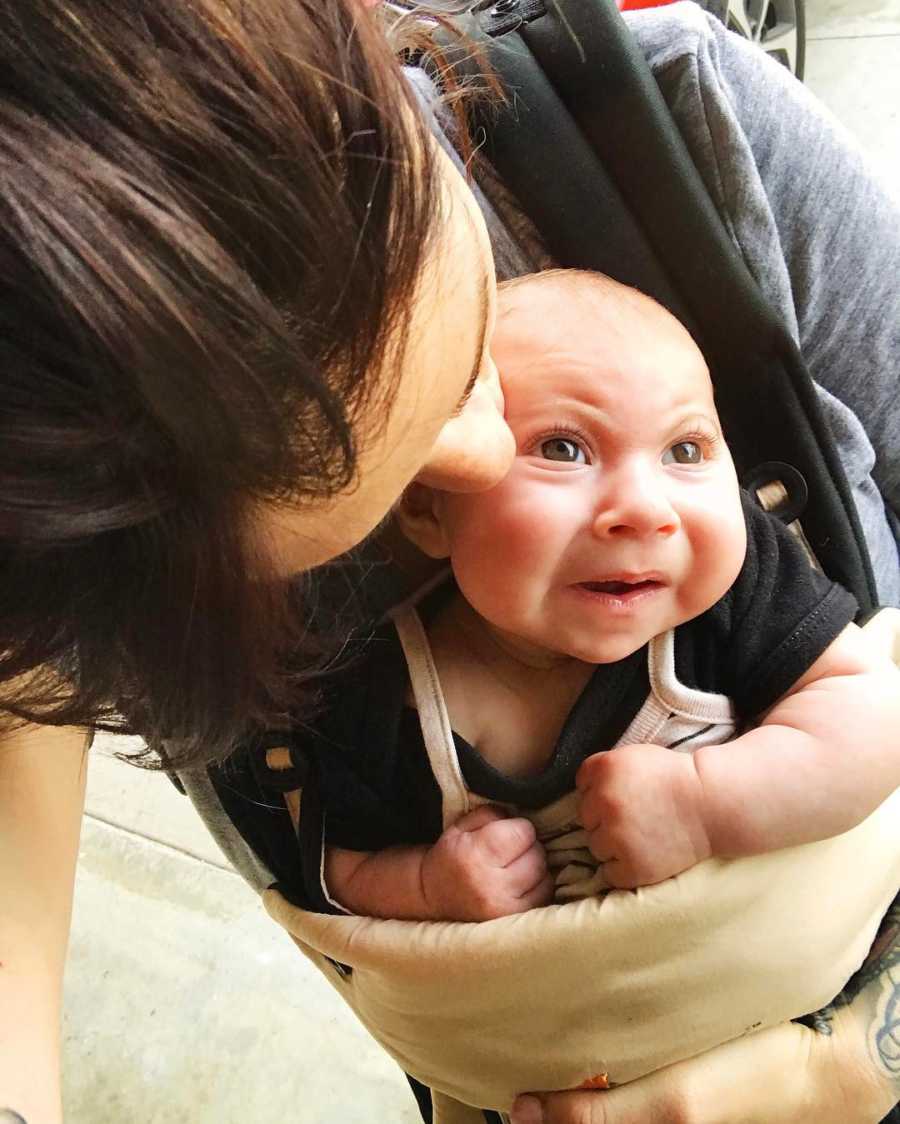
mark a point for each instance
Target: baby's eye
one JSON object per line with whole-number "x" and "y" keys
{"x": 683, "y": 452}
{"x": 563, "y": 449}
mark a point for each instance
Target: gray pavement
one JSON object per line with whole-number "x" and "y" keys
{"x": 183, "y": 1002}
{"x": 853, "y": 66}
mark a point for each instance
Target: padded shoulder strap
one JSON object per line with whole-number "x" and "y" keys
{"x": 589, "y": 148}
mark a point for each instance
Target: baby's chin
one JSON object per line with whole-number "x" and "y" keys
{"x": 601, "y": 647}
{"x": 607, "y": 650}
{"x": 555, "y": 634}
{"x": 537, "y": 647}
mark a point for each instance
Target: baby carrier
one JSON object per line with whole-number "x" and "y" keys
{"x": 588, "y": 147}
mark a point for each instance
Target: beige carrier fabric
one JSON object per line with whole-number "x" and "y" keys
{"x": 620, "y": 985}
{"x": 884, "y": 630}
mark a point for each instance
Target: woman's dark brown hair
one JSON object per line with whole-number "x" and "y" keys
{"x": 213, "y": 214}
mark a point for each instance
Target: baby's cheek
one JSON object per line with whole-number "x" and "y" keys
{"x": 489, "y": 588}
{"x": 498, "y": 561}
{"x": 720, "y": 548}
{"x": 504, "y": 524}
{"x": 531, "y": 545}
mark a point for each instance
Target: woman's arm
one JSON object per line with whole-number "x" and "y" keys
{"x": 845, "y": 1071}
{"x": 42, "y": 775}
{"x": 816, "y": 229}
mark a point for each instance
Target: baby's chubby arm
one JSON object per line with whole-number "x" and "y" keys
{"x": 484, "y": 866}
{"x": 824, "y": 757}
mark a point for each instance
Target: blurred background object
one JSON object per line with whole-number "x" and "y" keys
{"x": 831, "y": 44}
{"x": 853, "y": 66}
{"x": 778, "y": 26}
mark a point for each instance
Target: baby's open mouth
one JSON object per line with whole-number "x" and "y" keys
{"x": 643, "y": 585}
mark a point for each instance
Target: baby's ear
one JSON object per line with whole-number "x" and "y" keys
{"x": 420, "y": 518}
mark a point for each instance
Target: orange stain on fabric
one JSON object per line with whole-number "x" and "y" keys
{"x": 598, "y": 1081}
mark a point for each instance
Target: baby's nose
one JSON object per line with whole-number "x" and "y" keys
{"x": 639, "y": 508}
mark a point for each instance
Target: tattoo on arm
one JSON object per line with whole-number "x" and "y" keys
{"x": 883, "y": 958}
{"x": 882, "y": 976}
{"x": 875, "y": 991}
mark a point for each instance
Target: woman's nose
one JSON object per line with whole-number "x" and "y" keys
{"x": 635, "y": 505}
{"x": 475, "y": 449}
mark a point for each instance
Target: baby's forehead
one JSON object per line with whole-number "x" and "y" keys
{"x": 571, "y": 309}
{"x": 581, "y": 332}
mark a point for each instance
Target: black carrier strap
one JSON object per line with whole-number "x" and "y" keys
{"x": 588, "y": 146}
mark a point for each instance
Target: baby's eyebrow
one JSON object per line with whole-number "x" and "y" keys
{"x": 699, "y": 419}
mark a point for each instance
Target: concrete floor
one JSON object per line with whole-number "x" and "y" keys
{"x": 183, "y": 1002}
{"x": 241, "y": 1030}
{"x": 853, "y": 66}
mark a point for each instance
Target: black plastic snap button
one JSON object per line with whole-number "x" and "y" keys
{"x": 796, "y": 496}
{"x": 503, "y": 7}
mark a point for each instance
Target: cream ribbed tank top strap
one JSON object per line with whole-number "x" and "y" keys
{"x": 433, "y": 718}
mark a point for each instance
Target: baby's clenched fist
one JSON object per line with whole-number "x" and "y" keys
{"x": 487, "y": 865}
{"x": 643, "y": 809}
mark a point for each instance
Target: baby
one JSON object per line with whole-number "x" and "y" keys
{"x": 616, "y": 589}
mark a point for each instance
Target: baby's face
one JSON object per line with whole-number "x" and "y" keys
{"x": 621, "y": 517}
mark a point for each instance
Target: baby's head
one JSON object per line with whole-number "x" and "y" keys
{"x": 621, "y": 516}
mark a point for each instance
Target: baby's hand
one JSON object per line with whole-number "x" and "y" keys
{"x": 642, "y": 807}
{"x": 486, "y": 865}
